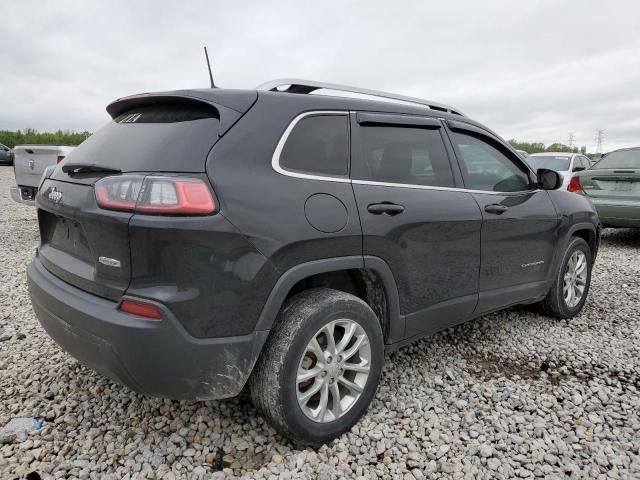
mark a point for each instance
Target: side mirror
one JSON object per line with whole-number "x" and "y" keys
{"x": 578, "y": 169}
{"x": 549, "y": 179}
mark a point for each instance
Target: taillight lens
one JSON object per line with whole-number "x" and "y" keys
{"x": 176, "y": 196}
{"x": 141, "y": 309}
{"x": 119, "y": 193}
{"x": 60, "y": 158}
{"x": 574, "y": 185}
{"x": 155, "y": 195}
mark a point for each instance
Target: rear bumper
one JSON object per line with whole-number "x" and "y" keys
{"x": 154, "y": 357}
{"x": 17, "y": 195}
{"x": 618, "y": 215}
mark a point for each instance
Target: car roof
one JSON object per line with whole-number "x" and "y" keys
{"x": 297, "y": 85}
{"x": 320, "y": 101}
{"x": 241, "y": 100}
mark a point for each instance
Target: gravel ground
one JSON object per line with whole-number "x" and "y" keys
{"x": 514, "y": 394}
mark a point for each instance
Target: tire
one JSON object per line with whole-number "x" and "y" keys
{"x": 274, "y": 385}
{"x": 555, "y": 303}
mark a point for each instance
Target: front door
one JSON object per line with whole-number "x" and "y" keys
{"x": 519, "y": 230}
{"x": 415, "y": 217}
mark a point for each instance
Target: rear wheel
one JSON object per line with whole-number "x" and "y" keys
{"x": 320, "y": 366}
{"x": 570, "y": 288}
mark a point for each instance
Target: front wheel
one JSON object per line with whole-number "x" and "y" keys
{"x": 320, "y": 366}
{"x": 570, "y": 287}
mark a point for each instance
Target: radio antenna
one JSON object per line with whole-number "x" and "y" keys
{"x": 213, "y": 85}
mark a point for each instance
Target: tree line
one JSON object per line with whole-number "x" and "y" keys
{"x": 539, "y": 147}
{"x": 68, "y": 137}
{"x": 34, "y": 137}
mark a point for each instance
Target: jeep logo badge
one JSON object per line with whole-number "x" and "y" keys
{"x": 55, "y": 195}
{"x": 32, "y": 164}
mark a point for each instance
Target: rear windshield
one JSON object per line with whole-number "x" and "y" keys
{"x": 620, "y": 159}
{"x": 163, "y": 137}
{"x": 550, "y": 162}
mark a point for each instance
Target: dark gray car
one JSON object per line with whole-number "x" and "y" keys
{"x": 6, "y": 155}
{"x": 206, "y": 239}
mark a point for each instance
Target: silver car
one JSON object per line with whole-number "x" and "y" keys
{"x": 562, "y": 162}
{"x": 29, "y": 164}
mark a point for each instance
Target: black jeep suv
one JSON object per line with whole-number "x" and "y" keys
{"x": 208, "y": 239}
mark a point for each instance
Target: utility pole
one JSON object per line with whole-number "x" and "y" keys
{"x": 599, "y": 138}
{"x": 572, "y": 139}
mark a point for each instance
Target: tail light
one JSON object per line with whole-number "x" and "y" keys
{"x": 141, "y": 309}
{"x": 575, "y": 185}
{"x": 155, "y": 195}
{"x": 60, "y": 158}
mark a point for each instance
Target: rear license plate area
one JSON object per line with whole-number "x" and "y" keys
{"x": 622, "y": 186}
{"x": 65, "y": 234}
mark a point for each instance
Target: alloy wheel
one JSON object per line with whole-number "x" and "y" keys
{"x": 575, "y": 279}
{"x": 333, "y": 370}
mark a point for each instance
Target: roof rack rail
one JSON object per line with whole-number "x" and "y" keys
{"x": 297, "y": 85}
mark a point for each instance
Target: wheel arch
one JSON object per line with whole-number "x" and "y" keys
{"x": 589, "y": 233}
{"x": 585, "y": 230}
{"x": 392, "y": 321}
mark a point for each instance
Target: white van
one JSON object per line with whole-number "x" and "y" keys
{"x": 29, "y": 164}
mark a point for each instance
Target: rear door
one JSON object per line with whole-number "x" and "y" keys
{"x": 414, "y": 217}
{"x": 519, "y": 230}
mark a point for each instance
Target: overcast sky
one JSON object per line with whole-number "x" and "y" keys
{"x": 531, "y": 70}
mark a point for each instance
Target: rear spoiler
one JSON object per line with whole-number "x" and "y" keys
{"x": 230, "y": 104}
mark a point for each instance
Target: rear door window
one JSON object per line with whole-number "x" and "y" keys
{"x": 402, "y": 155}
{"x": 318, "y": 145}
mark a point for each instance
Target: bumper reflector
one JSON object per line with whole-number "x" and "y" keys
{"x": 140, "y": 309}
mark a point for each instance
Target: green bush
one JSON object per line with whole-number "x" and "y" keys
{"x": 34, "y": 137}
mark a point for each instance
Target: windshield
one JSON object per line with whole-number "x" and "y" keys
{"x": 620, "y": 159}
{"x": 550, "y": 162}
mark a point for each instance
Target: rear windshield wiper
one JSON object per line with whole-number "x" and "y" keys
{"x": 77, "y": 168}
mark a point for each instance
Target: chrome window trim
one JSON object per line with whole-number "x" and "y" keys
{"x": 275, "y": 163}
{"x": 275, "y": 159}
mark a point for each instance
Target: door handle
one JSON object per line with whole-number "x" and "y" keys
{"x": 496, "y": 208}
{"x": 385, "y": 208}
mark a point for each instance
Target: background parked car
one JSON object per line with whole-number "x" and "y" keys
{"x": 562, "y": 162}
{"x": 29, "y": 163}
{"x": 6, "y": 155}
{"x": 613, "y": 185}
{"x": 522, "y": 153}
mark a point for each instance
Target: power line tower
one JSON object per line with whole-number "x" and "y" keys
{"x": 599, "y": 138}
{"x": 572, "y": 139}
